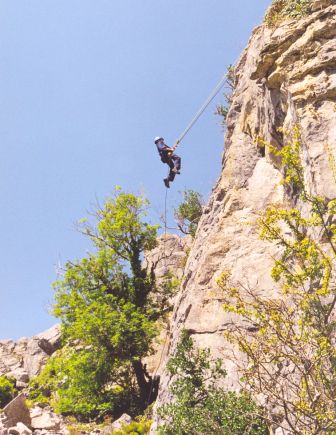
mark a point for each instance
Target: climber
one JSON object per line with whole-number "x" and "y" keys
{"x": 167, "y": 156}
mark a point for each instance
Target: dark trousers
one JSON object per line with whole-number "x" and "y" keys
{"x": 173, "y": 161}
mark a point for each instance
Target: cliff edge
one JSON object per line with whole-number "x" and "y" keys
{"x": 286, "y": 76}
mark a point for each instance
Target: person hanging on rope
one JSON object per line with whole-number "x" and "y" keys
{"x": 167, "y": 156}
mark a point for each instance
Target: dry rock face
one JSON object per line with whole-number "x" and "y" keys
{"x": 285, "y": 76}
{"x": 170, "y": 256}
{"x": 25, "y": 358}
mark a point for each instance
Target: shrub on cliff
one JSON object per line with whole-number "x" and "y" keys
{"x": 223, "y": 109}
{"x": 108, "y": 309}
{"x": 199, "y": 405}
{"x": 289, "y": 339}
{"x": 7, "y": 390}
{"x": 189, "y": 212}
{"x": 281, "y": 9}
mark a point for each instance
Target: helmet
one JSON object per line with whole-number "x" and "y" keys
{"x": 158, "y": 138}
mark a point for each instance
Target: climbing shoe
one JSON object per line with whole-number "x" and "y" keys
{"x": 166, "y": 182}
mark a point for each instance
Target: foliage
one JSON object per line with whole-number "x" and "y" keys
{"x": 75, "y": 428}
{"x": 282, "y": 9}
{"x": 7, "y": 390}
{"x": 85, "y": 383}
{"x": 109, "y": 313}
{"x": 140, "y": 427}
{"x": 291, "y": 353}
{"x": 189, "y": 212}
{"x": 200, "y": 405}
{"x": 223, "y": 109}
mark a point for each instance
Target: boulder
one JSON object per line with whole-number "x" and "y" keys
{"x": 19, "y": 429}
{"x": 19, "y": 374}
{"x": 123, "y": 420}
{"x": 39, "y": 348}
{"x": 45, "y": 418}
{"x": 17, "y": 412}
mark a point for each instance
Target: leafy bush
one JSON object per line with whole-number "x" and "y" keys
{"x": 189, "y": 212}
{"x": 199, "y": 405}
{"x": 7, "y": 390}
{"x": 83, "y": 382}
{"x": 281, "y": 9}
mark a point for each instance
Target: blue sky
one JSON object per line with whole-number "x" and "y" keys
{"x": 85, "y": 87}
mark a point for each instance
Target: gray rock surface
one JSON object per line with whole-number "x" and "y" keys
{"x": 45, "y": 419}
{"x": 287, "y": 75}
{"x": 123, "y": 420}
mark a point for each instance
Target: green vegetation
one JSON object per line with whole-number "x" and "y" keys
{"x": 223, "y": 109}
{"x": 140, "y": 427}
{"x": 282, "y": 9}
{"x": 199, "y": 405}
{"x": 7, "y": 390}
{"x": 189, "y": 212}
{"x": 109, "y": 306}
{"x": 291, "y": 354}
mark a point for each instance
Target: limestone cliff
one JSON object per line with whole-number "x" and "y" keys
{"x": 287, "y": 75}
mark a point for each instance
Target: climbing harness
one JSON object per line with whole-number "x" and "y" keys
{"x": 212, "y": 95}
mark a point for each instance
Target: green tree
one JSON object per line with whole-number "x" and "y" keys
{"x": 189, "y": 212}
{"x": 108, "y": 305}
{"x": 199, "y": 405}
{"x": 7, "y": 390}
{"x": 289, "y": 340}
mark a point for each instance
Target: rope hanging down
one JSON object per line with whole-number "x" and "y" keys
{"x": 215, "y": 91}
{"x": 194, "y": 120}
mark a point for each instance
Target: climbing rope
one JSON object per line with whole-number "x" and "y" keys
{"x": 167, "y": 331}
{"x": 212, "y": 95}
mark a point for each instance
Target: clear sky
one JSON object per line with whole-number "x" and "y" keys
{"x": 85, "y": 86}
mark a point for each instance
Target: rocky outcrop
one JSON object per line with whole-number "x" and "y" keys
{"x": 287, "y": 75}
{"x": 16, "y": 418}
{"x": 23, "y": 359}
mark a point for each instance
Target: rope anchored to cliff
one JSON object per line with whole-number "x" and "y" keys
{"x": 212, "y": 95}
{"x": 167, "y": 153}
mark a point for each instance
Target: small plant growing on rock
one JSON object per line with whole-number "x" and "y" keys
{"x": 7, "y": 390}
{"x": 199, "y": 405}
{"x": 223, "y": 109}
{"x": 282, "y": 9}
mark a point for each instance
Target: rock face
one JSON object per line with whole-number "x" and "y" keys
{"x": 285, "y": 76}
{"x": 170, "y": 256}
{"x": 24, "y": 358}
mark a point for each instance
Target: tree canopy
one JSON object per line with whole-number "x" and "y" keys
{"x": 108, "y": 309}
